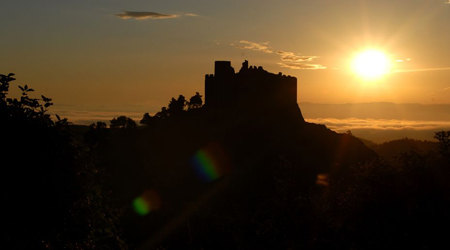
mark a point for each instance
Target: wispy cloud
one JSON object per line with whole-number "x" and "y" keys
{"x": 342, "y": 125}
{"x": 291, "y": 57}
{"x": 292, "y": 61}
{"x": 439, "y": 91}
{"x": 143, "y": 15}
{"x": 403, "y": 60}
{"x": 444, "y": 89}
{"x": 263, "y": 47}
{"x": 417, "y": 70}
{"x": 191, "y": 15}
{"x": 296, "y": 65}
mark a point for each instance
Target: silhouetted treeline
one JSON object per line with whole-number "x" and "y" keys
{"x": 52, "y": 191}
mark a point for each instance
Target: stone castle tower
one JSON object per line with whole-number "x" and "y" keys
{"x": 252, "y": 88}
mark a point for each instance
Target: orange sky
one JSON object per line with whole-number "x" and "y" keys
{"x": 97, "y": 54}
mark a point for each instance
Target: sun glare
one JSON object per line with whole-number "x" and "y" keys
{"x": 371, "y": 64}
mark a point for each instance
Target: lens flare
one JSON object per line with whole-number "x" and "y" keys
{"x": 146, "y": 202}
{"x": 322, "y": 180}
{"x": 210, "y": 162}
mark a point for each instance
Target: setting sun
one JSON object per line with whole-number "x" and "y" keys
{"x": 371, "y": 64}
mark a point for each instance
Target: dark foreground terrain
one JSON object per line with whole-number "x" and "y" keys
{"x": 198, "y": 178}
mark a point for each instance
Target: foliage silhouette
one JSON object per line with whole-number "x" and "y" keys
{"x": 147, "y": 119}
{"x": 97, "y": 134}
{"x": 176, "y": 107}
{"x": 51, "y": 189}
{"x": 123, "y": 122}
{"x": 195, "y": 101}
{"x": 163, "y": 114}
{"x": 444, "y": 143}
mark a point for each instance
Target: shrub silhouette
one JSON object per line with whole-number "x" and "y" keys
{"x": 176, "y": 107}
{"x": 444, "y": 143}
{"x": 97, "y": 134}
{"x": 147, "y": 119}
{"x": 195, "y": 101}
{"x": 123, "y": 122}
{"x": 164, "y": 113}
{"x": 50, "y": 187}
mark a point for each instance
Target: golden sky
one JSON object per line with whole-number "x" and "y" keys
{"x": 109, "y": 53}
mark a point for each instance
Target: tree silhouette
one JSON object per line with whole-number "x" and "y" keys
{"x": 97, "y": 134}
{"x": 26, "y": 108}
{"x": 176, "y": 107}
{"x": 444, "y": 142}
{"x": 195, "y": 101}
{"x": 98, "y": 125}
{"x": 164, "y": 113}
{"x": 123, "y": 122}
{"x": 54, "y": 172}
{"x": 147, "y": 119}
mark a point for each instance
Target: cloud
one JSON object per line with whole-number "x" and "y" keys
{"x": 291, "y": 57}
{"x": 402, "y": 60}
{"x": 142, "y": 15}
{"x": 296, "y": 65}
{"x": 444, "y": 89}
{"x": 293, "y": 61}
{"x": 253, "y": 46}
{"x": 342, "y": 125}
{"x": 418, "y": 70}
{"x": 191, "y": 14}
{"x": 439, "y": 91}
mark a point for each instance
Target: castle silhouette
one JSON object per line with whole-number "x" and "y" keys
{"x": 251, "y": 90}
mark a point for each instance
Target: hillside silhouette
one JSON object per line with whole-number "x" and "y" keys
{"x": 258, "y": 147}
{"x": 242, "y": 170}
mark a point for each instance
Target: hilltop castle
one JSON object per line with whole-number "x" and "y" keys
{"x": 251, "y": 89}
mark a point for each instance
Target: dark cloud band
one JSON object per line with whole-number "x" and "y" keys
{"x": 142, "y": 15}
